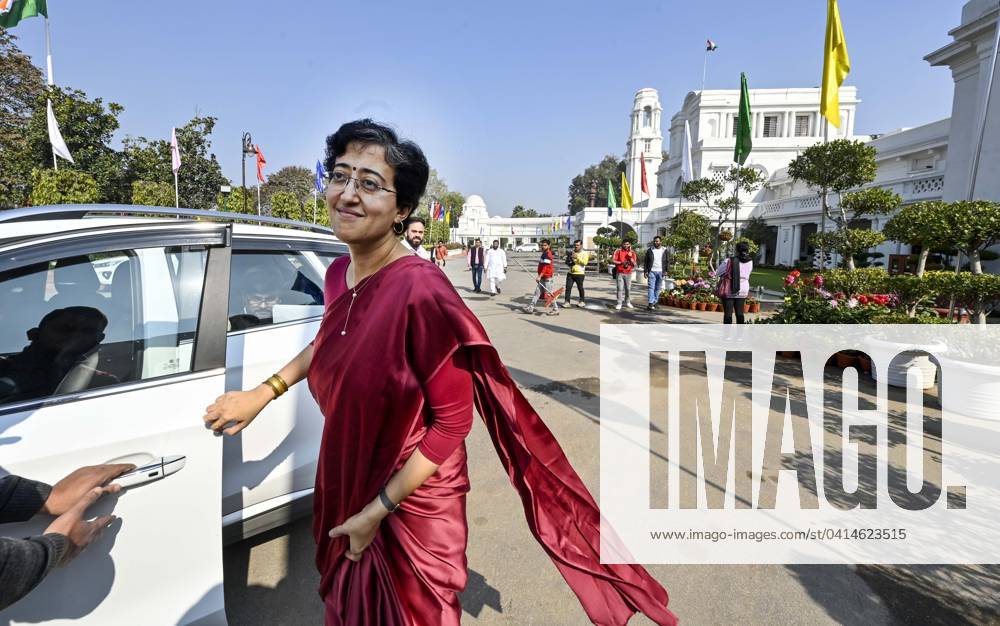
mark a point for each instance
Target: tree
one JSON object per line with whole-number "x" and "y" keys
{"x": 919, "y": 224}
{"x": 87, "y": 126}
{"x": 706, "y": 191}
{"x": 972, "y": 227}
{"x": 520, "y": 211}
{"x": 233, "y": 201}
{"x": 200, "y": 176}
{"x": 742, "y": 180}
{"x": 21, "y": 84}
{"x": 63, "y": 186}
{"x": 285, "y": 205}
{"x": 610, "y": 168}
{"x": 688, "y": 230}
{"x": 436, "y": 188}
{"x": 296, "y": 180}
{"x": 849, "y": 241}
{"x": 836, "y": 166}
{"x": 148, "y": 193}
{"x": 756, "y": 230}
{"x": 453, "y": 201}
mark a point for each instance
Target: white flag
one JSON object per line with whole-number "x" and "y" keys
{"x": 175, "y": 151}
{"x": 687, "y": 169}
{"x": 55, "y": 137}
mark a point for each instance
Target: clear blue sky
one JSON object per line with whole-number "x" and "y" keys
{"x": 509, "y": 100}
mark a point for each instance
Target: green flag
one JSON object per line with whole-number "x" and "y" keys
{"x": 743, "y": 133}
{"x": 13, "y": 11}
{"x": 612, "y": 203}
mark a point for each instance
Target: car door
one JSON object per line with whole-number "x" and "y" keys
{"x": 275, "y": 307}
{"x": 96, "y": 369}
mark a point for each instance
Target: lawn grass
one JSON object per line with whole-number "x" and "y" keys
{"x": 770, "y": 278}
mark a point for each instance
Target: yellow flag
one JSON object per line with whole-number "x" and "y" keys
{"x": 626, "y": 194}
{"x": 447, "y": 217}
{"x": 836, "y": 65}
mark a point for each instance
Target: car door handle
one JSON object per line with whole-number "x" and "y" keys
{"x": 157, "y": 470}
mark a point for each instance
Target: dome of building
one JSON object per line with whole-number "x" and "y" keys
{"x": 475, "y": 200}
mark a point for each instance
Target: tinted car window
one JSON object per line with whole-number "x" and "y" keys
{"x": 272, "y": 287}
{"x": 88, "y": 321}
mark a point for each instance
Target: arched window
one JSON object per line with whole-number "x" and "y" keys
{"x": 647, "y": 116}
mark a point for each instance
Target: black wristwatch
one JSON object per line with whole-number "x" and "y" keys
{"x": 386, "y": 502}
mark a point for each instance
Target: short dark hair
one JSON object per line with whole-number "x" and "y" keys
{"x": 742, "y": 248}
{"x": 545, "y": 241}
{"x": 409, "y": 165}
{"x": 657, "y": 237}
{"x": 578, "y": 241}
{"x": 413, "y": 219}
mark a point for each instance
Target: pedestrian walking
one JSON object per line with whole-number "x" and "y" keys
{"x": 441, "y": 253}
{"x": 496, "y": 267}
{"x": 476, "y": 259}
{"x": 397, "y": 372}
{"x": 545, "y": 281}
{"x": 577, "y": 260}
{"x": 624, "y": 261}
{"x": 653, "y": 268}
{"x": 734, "y": 283}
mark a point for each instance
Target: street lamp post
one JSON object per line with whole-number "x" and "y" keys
{"x": 247, "y": 149}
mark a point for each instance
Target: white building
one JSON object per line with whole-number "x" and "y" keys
{"x": 477, "y": 223}
{"x": 930, "y": 162}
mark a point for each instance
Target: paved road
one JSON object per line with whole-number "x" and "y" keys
{"x": 271, "y": 579}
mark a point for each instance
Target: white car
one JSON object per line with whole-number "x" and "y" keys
{"x": 527, "y": 247}
{"x": 96, "y": 369}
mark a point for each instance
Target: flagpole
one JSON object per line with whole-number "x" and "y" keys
{"x": 982, "y": 116}
{"x": 704, "y": 70}
{"x": 258, "y": 197}
{"x": 177, "y": 195}
{"x": 822, "y": 204}
{"x": 315, "y": 202}
{"x": 51, "y": 77}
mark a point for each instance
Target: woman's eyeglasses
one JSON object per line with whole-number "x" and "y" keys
{"x": 339, "y": 180}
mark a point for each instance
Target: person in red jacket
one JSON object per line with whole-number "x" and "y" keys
{"x": 546, "y": 281}
{"x": 625, "y": 261}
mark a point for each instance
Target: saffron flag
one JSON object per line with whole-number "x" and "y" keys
{"x": 711, "y": 47}
{"x": 319, "y": 176}
{"x": 626, "y": 194}
{"x": 644, "y": 185}
{"x": 55, "y": 137}
{"x": 260, "y": 164}
{"x": 175, "y": 151}
{"x": 612, "y": 203}
{"x": 836, "y": 65}
{"x": 744, "y": 143}
{"x": 13, "y": 11}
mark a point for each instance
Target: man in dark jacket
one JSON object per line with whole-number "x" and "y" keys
{"x": 653, "y": 269}
{"x": 25, "y": 562}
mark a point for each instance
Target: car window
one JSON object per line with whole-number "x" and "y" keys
{"x": 271, "y": 287}
{"x": 91, "y": 321}
{"x": 328, "y": 257}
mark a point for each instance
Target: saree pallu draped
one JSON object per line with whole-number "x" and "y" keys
{"x": 404, "y": 325}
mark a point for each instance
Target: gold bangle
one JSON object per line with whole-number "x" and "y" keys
{"x": 277, "y": 384}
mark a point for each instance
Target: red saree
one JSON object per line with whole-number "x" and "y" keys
{"x": 406, "y": 323}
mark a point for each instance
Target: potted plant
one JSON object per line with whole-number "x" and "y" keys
{"x": 753, "y": 304}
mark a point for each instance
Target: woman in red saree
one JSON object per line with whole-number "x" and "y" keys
{"x": 396, "y": 368}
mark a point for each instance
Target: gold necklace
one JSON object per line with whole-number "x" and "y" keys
{"x": 359, "y": 287}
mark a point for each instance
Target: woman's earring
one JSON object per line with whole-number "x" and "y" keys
{"x": 394, "y": 225}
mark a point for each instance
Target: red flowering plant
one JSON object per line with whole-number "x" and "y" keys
{"x": 808, "y": 302}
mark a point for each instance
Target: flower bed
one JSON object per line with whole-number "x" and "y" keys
{"x": 698, "y": 294}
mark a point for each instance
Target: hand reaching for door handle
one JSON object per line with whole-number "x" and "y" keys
{"x": 68, "y": 491}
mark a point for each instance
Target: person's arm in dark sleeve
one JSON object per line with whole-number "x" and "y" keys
{"x": 449, "y": 398}
{"x": 25, "y": 562}
{"x": 21, "y": 499}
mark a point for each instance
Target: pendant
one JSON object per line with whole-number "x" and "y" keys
{"x": 343, "y": 332}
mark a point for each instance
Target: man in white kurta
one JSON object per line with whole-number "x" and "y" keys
{"x": 496, "y": 267}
